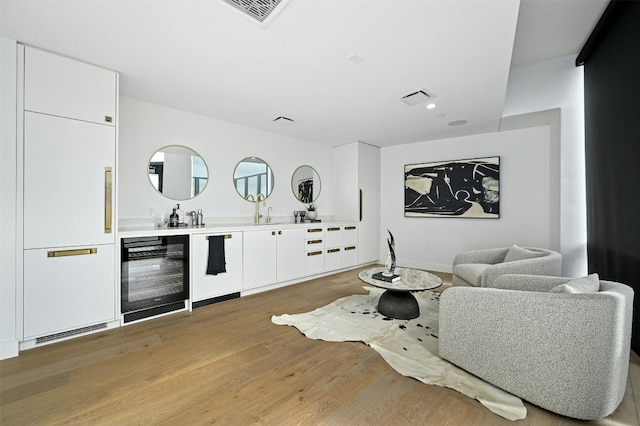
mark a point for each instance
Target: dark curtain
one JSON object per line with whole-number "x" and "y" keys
{"x": 611, "y": 60}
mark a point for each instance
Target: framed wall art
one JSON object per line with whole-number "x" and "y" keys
{"x": 458, "y": 188}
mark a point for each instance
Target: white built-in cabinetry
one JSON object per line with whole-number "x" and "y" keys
{"x": 357, "y": 194}
{"x": 276, "y": 256}
{"x": 68, "y": 154}
{"x": 205, "y": 286}
{"x": 314, "y": 250}
{"x": 273, "y": 255}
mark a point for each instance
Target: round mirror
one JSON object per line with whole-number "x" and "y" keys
{"x": 253, "y": 177}
{"x": 178, "y": 172}
{"x": 305, "y": 184}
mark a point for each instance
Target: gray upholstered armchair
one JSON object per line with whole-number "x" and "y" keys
{"x": 480, "y": 268}
{"x": 567, "y": 352}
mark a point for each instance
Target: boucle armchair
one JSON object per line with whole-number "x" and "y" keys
{"x": 567, "y": 353}
{"x": 480, "y": 268}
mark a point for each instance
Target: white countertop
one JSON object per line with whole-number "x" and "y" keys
{"x": 214, "y": 228}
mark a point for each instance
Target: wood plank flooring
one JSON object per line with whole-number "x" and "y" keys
{"x": 228, "y": 364}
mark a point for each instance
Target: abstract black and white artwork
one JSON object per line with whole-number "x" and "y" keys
{"x": 458, "y": 188}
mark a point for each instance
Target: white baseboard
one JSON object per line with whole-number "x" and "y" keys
{"x": 9, "y": 349}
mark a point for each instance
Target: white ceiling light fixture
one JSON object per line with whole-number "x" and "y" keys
{"x": 418, "y": 97}
{"x": 261, "y": 11}
{"x": 431, "y": 105}
{"x": 283, "y": 121}
{"x": 458, "y": 123}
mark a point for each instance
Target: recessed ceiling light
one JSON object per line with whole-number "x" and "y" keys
{"x": 431, "y": 106}
{"x": 458, "y": 123}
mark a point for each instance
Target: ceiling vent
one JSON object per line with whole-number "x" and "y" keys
{"x": 418, "y": 97}
{"x": 262, "y": 11}
{"x": 283, "y": 121}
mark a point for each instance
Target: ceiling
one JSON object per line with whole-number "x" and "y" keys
{"x": 337, "y": 68}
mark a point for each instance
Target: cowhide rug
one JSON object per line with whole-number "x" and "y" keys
{"x": 408, "y": 346}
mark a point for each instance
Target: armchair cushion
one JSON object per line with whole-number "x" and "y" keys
{"x": 588, "y": 284}
{"x": 471, "y": 272}
{"x": 519, "y": 253}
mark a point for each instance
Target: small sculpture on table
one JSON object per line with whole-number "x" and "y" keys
{"x": 389, "y": 274}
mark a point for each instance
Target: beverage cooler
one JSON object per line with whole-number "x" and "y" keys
{"x": 154, "y": 276}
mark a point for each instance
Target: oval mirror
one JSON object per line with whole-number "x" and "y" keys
{"x": 178, "y": 172}
{"x": 253, "y": 177}
{"x": 305, "y": 184}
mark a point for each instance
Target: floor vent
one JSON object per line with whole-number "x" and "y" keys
{"x": 213, "y": 300}
{"x": 152, "y": 312}
{"x": 262, "y": 11}
{"x": 65, "y": 334}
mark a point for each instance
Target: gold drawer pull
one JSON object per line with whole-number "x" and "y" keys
{"x": 314, "y": 230}
{"x": 226, "y": 236}
{"x": 333, "y": 250}
{"x": 350, "y": 248}
{"x": 108, "y": 119}
{"x": 75, "y": 252}
{"x": 314, "y": 242}
{"x": 349, "y": 228}
{"x": 108, "y": 185}
{"x": 314, "y": 253}
{"x": 333, "y": 229}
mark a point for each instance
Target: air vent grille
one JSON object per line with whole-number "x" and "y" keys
{"x": 259, "y": 10}
{"x": 64, "y": 334}
{"x": 417, "y": 97}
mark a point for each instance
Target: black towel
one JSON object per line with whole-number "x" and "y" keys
{"x": 217, "y": 263}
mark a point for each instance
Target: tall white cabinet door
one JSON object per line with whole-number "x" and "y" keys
{"x": 210, "y": 286}
{"x": 68, "y": 88}
{"x": 67, "y": 291}
{"x": 291, "y": 253}
{"x": 369, "y": 225}
{"x": 259, "y": 259}
{"x": 67, "y": 197}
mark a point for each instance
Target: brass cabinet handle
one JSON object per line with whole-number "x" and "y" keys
{"x": 361, "y": 205}
{"x": 349, "y": 228}
{"x": 350, "y": 248}
{"x": 273, "y": 232}
{"x": 314, "y": 230}
{"x": 333, "y": 229}
{"x": 333, "y": 250}
{"x": 314, "y": 241}
{"x": 314, "y": 253}
{"x": 226, "y": 236}
{"x": 74, "y": 252}
{"x": 108, "y": 185}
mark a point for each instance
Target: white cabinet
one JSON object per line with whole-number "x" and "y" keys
{"x": 68, "y": 288}
{"x": 357, "y": 192}
{"x": 314, "y": 250}
{"x": 271, "y": 256}
{"x": 67, "y": 88}
{"x": 68, "y": 207}
{"x": 68, "y": 196}
{"x": 206, "y": 286}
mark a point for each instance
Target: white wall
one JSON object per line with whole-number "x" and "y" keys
{"x": 560, "y": 84}
{"x": 8, "y": 83}
{"x": 526, "y": 175}
{"x": 145, "y": 127}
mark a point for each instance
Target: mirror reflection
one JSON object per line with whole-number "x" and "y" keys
{"x": 253, "y": 177}
{"x": 305, "y": 184}
{"x": 178, "y": 172}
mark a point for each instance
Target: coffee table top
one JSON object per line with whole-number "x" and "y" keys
{"x": 410, "y": 279}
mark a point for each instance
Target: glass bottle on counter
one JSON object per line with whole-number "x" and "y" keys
{"x": 180, "y": 214}
{"x": 173, "y": 219}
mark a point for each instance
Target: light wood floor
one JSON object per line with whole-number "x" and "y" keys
{"x": 228, "y": 364}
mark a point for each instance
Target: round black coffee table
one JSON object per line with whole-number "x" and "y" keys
{"x": 397, "y": 301}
